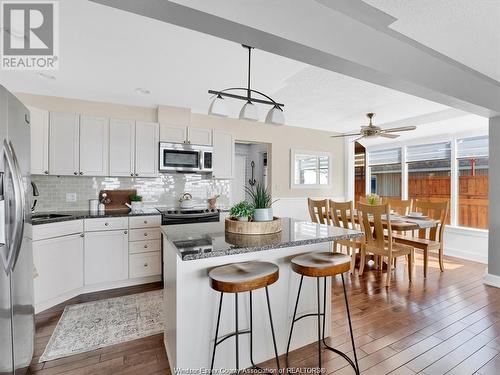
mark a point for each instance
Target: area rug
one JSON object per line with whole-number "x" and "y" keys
{"x": 93, "y": 325}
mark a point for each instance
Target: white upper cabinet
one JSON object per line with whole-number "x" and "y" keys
{"x": 64, "y": 143}
{"x": 146, "y": 149}
{"x": 185, "y": 134}
{"x": 173, "y": 133}
{"x": 94, "y": 146}
{"x": 223, "y": 155}
{"x": 121, "y": 147}
{"x": 39, "y": 128}
{"x": 199, "y": 136}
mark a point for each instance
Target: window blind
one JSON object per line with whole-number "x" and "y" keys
{"x": 472, "y": 147}
{"x": 390, "y": 156}
{"x": 434, "y": 151}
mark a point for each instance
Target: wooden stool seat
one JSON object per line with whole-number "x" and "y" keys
{"x": 243, "y": 277}
{"x": 321, "y": 264}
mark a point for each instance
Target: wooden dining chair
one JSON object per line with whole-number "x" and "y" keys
{"x": 430, "y": 239}
{"x": 318, "y": 210}
{"x": 400, "y": 206}
{"x": 342, "y": 216}
{"x": 376, "y": 242}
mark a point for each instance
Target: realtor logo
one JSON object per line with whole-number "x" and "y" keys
{"x": 30, "y": 39}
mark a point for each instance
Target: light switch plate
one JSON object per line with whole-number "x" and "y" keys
{"x": 70, "y": 197}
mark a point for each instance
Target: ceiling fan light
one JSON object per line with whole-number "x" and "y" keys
{"x": 218, "y": 107}
{"x": 275, "y": 116}
{"x": 249, "y": 112}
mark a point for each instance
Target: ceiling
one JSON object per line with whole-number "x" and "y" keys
{"x": 105, "y": 54}
{"x": 464, "y": 30}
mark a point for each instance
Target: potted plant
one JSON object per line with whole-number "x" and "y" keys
{"x": 135, "y": 202}
{"x": 241, "y": 211}
{"x": 262, "y": 202}
{"x": 373, "y": 199}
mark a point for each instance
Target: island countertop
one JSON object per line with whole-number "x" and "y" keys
{"x": 207, "y": 240}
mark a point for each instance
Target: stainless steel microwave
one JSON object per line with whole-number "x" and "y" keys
{"x": 181, "y": 157}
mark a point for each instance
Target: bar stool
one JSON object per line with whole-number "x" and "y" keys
{"x": 322, "y": 264}
{"x": 238, "y": 278}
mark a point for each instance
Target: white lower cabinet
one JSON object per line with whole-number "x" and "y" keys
{"x": 106, "y": 256}
{"x": 145, "y": 264}
{"x": 59, "y": 266}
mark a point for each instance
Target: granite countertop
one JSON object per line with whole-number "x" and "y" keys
{"x": 206, "y": 240}
{"x": 76, "y": 215}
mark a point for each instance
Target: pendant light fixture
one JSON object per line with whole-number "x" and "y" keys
{"x": 249, "y": 111}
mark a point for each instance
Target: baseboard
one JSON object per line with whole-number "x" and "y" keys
{"x": 42, "y": 306}
{"x": 492, "y": 280}
{"x": 462, "y": 254}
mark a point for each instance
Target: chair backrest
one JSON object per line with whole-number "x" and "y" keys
{"x": 437, "y": 211}
{"x": 341, "y": 214}
{"x": 400, "y": 206}
{"x": 371, "y": 217}
{"x": 362, "y": 199}
{"x": 318, "y": 210}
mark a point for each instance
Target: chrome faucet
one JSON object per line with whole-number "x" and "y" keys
{"x": 36, "y": 193}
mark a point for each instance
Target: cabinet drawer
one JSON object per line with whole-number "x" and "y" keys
{"x": 51, "y": 230}
{"x": 106, "y": 223}
{"x": 144, "y": 221}
{"x": 145, "y": 264}
{"x": 144, "y": 234}
{"x": 144, "y": 246}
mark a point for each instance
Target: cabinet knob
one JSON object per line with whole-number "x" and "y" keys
{"x": 132, "y": 174}
{"x": 145, "y": 221}
{"x": 46, "y": 172}
{"x": 145, "y": 234}
{"x": 145, "y": 246}
{"x": 82, "y": 235}
{"x": 81, "y": 173}
{"x": 125, "y": 232}
{"x": 137, "y": 174}
{"x": 145, "y": 264}
{"x": 106, "y": 224}
{"x": 75, "y": 173}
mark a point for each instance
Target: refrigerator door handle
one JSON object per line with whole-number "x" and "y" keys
{"x": 14, "y": 239}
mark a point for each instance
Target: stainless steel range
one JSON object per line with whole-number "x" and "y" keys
{"x": 171, "y": 216}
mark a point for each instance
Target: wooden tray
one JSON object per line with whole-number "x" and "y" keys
{"x": 253, "y": 240}
{"x": 253, "y": 227}
{"x": 118, "y": 199}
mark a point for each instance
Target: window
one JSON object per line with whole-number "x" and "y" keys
{"x": 310, "y": 169}
{"x": 385, "y": 171}
{"x": 429, "y": 172}
{"x": 472, "y": 155}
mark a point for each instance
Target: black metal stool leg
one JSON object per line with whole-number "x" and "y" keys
{"x": 272, "y": 332}
{"x": 216, "y": 333}
{"x": 293, "y": 321}
{"x": 319, "y": 323}
{"x": 350, "y": 326}
{"x": 251, "y": 331}
{"x": 237, "y": 333}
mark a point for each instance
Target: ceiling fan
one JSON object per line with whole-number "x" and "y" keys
{"x": 372, "y": 131}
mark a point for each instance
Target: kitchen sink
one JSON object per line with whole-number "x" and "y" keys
{"x": 37, "y": 217}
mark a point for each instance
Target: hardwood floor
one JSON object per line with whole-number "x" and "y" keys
{"x": 447, "y": 323}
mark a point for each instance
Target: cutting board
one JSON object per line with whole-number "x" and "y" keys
{"x": 118, "y": 199}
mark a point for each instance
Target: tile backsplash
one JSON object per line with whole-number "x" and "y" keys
{"x": 161, "y": 191}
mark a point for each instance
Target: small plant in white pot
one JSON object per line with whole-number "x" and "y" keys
{"x": 241, "y": 211}
{"x": 135, "y": 202}
{"x": 262, "y": 202}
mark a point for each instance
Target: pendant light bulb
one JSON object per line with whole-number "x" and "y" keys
{"x": 218, "y": 107}
{"x": 249, "y": 112}
{"x": 275, "y": 116}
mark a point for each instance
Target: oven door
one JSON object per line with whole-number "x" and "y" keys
{"x": 177, "y": 157}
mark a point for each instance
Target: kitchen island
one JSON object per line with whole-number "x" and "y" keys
{"x": 190, "y": 251}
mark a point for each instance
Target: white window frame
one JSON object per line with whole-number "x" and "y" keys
{"x": 452, "y": 138}
{"x": 293, "y": 153}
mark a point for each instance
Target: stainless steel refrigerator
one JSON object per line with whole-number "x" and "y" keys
{"x": 17, "y": 324}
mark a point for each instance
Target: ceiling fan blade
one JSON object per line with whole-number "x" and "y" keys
{"x": 385, "y": 135}
{"x": 401, "y": 129}
{"x": 344, "y": 135}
